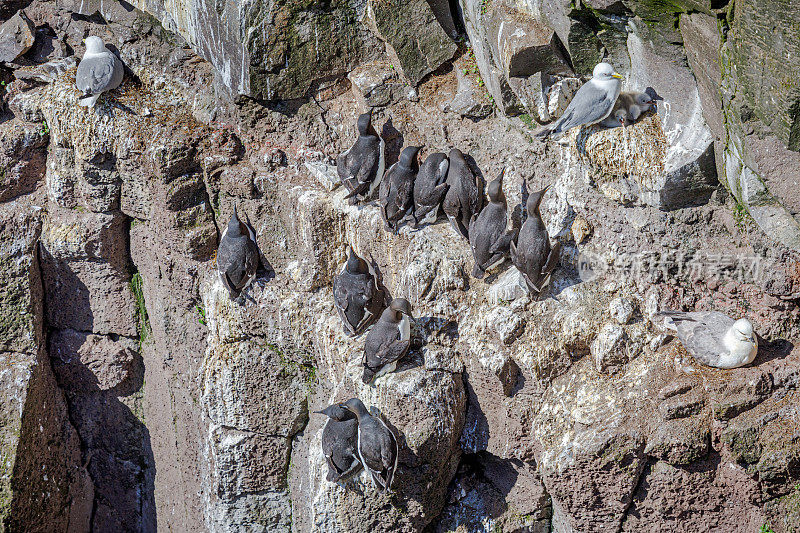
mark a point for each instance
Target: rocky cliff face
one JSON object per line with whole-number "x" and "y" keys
{"x": 139, "y": 397}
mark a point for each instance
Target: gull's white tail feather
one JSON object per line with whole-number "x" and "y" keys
{"x": 88, "y": 101}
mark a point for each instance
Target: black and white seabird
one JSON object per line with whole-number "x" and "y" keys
{"x": 430, "y": 188}
{"x": 361, "y": 167}
{"x": 489, "y": 237}
{"x": 357, "y": 297}
{"x": 464, "y": 196}
{"x": 397, "y": 188}
{"x": 388, "y": 341}
{"x": 377, "y": 445}
{"x": 531, "y": 253}
{"x": 339, "y": 443}
{"x": 237, "y": 256}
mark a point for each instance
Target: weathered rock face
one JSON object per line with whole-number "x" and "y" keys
{"x": 413, "y": 36}
{"x": 139, "y": 397}
{"x": 44, "y": 484}
{"x": 760, "y": 113}
{"x": 511, "y": 45}
{"x": 271, "y": 51}
{"x": 16, "y": 37}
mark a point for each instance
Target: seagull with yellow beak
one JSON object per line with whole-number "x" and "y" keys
{"x": 593, "y": 102}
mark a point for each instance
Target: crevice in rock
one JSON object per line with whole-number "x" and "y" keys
{"x": 458, "y": 18}
{"x": 25, "y": 499}
{"x": 646, "y": 467}
{"x": 260, "y": 434}
{"x": 114, "y": 443}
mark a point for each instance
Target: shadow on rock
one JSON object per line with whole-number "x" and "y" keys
{"x": 103, "y": 378}
{"x": 69, "y": 304}
{"x": 475, "y": 436}
{"x": 769, "y": 351}
{"x": 416, "y": 476}
{"x": 394, "y": 140}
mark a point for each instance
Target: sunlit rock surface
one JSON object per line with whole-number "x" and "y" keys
{"x": 140, "y": 397}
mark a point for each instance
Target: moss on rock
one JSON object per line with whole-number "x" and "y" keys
{"x": 294, "y": 43}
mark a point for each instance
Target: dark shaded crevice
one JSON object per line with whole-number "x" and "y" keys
{"x": 458, "y": 18}
{"x": 93, "y": 514}
{"x": 647, "y": 466}
{"x": 113, "y": 443}
{"x": 44, "y": 442}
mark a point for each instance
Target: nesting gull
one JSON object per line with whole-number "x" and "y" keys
{"x": 592, "y": 103}
{"x": 99, "y": 71}
{"x": 713, "y": 338}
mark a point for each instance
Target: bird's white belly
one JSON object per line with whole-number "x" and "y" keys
{"x": 405, "y": 328}
{"x": 740, "y": 353}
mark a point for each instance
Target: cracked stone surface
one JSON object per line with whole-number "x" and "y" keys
{"x": 139, "y": 397}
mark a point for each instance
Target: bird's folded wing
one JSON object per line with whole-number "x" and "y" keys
{"x": 387, "y": 452}
{"x": 96, "y": 73}
{"x": 339, "y": 295}
{"x": 503, "y": 243}
{"x": 251, "y": 259}
{"x": 438, "y": 192}
{"x": 391, "y": 351}
{"x": 366, "y": 168}
{"x": 404, "y": 193}
{"x": 589, "y": 106}
{"x": 229, "y": 285}
{"x": 704, "y": 343}
{"x": 359, "y": 189}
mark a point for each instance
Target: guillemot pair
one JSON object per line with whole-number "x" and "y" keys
{"x": 353, "y": 438}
